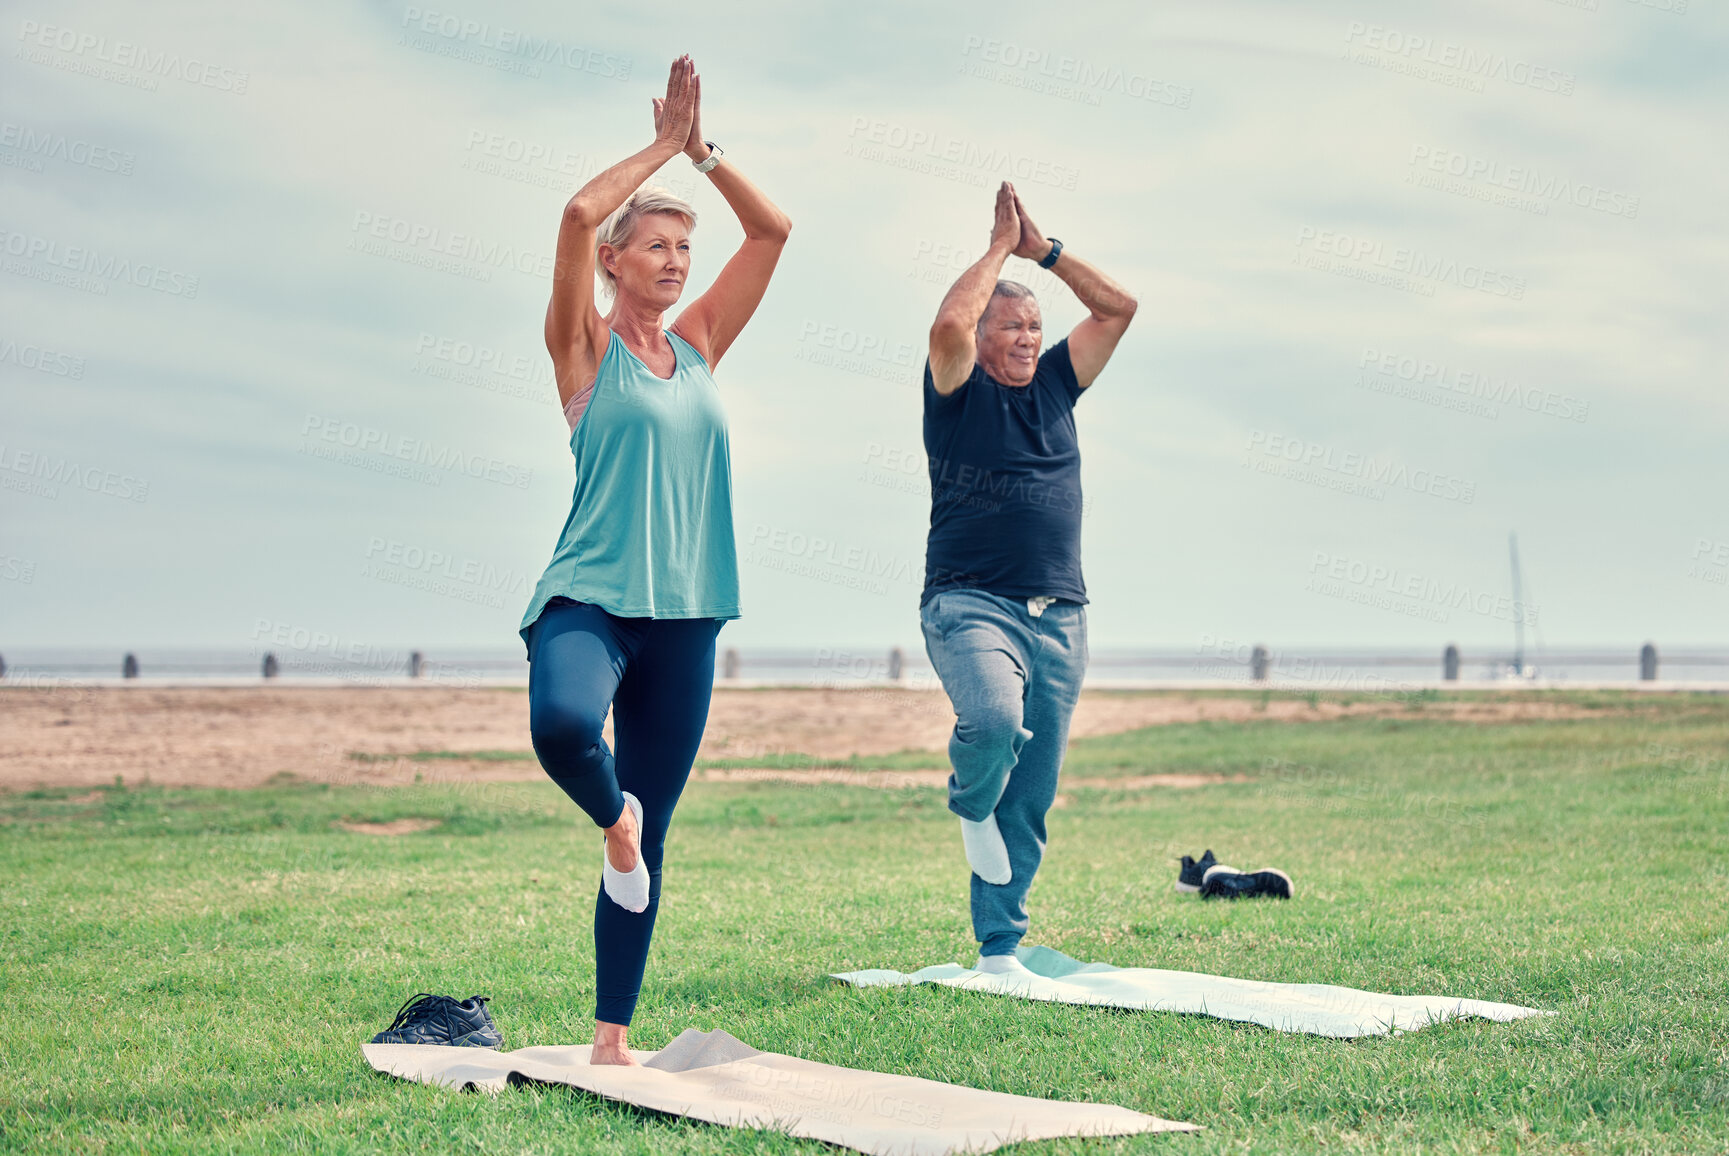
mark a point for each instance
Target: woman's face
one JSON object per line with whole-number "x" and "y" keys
{"x": 652, "y": 266}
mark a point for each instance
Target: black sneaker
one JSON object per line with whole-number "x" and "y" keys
{"x": 1194, "y": 870}
{"x": 1221, "y": 882}
{"x": 442, "y": 1019}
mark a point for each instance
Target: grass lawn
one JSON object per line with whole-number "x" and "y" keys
{"x": 194, "y": 970}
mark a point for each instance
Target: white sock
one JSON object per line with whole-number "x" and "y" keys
{"x": 987, "y": 854}
{"x": 628, "y": 889}
{"x": 1008, "y": 965}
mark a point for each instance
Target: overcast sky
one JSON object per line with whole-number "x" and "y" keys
{"x": 1412, "y": 277}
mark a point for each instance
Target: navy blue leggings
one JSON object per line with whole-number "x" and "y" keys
{"x": 657, "y": 675}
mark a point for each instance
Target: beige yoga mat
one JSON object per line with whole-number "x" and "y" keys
{"x": 1315, "y": 1008}
{"x": 714, "y": 1077}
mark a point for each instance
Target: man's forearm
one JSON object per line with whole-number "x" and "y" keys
{"x": 1103, "y": 297}
{"x": 967, "y": 298}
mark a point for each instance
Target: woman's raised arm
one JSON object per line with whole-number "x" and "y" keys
{"x": 713, "y": 321}
{"x": 576, "y": 335}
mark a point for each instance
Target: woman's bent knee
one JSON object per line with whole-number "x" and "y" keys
{"x": 568, "y": 736}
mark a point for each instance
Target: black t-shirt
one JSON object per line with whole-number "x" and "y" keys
{"x": 1005, "y": 484}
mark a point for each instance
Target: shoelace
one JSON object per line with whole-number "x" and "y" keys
{"x": 425, "y": 1006}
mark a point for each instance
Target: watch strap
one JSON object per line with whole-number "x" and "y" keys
{"x": 713, "y": 159}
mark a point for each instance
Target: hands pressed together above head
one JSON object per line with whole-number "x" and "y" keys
{"x": 677, "y": 115}
{"x": 1012, "y": 229}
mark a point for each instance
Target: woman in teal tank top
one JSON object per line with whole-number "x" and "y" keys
{"x": 645, "y": 570}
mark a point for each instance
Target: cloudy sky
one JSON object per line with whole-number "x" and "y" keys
{"x": 1412, "y": 277}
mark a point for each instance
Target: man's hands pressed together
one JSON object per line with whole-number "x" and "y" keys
{"x": 1034, "y": 245}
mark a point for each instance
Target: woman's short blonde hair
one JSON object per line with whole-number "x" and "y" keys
{"x": 618, "y": 228}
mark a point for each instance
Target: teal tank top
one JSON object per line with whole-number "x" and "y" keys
{"x": 650, "y": 528}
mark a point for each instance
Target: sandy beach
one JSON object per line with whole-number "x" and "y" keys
{"x": 245, "y": 736}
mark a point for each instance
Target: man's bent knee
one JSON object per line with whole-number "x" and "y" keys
{"x": 994, "y": 729}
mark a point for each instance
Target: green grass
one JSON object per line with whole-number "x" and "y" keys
{"x": 194, "y": 970}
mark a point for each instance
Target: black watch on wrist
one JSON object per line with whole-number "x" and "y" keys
{"x": 1051, "y": 257}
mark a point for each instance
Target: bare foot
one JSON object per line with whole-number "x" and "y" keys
{"x": 622, "y": 840}
{"x": 609, "y": 1042}
{"x": 618, "y": 1057}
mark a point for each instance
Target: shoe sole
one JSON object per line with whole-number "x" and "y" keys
{"x": 475, "y": 1039}
{"x": 1195, "y": 888}
{"x": 1268, "y": 881}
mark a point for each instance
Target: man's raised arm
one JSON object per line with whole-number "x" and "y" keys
{"x": 953, "y": 335}
{"x": 1092, "y": 342}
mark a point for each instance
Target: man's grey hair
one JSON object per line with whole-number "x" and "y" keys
{"x": 1003, "y": 289}
{"x": 618, "y": 228}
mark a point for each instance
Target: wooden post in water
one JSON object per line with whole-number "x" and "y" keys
{"x": 415, "y": 661}
{"x": 1648, "y": 662}
{"x": 729, "y": 663}
{"x": 129, "y": 666}
{"x": 270, "y": 667}
{"x": 896, "y": 659}
{"x": 1450, "y": 663}
{"x": 1258, "y": 663}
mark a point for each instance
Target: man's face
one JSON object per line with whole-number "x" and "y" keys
{"x": 1010, "y": 338}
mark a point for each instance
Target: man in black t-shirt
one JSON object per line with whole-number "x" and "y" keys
{"x": 1004, "y": 607}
